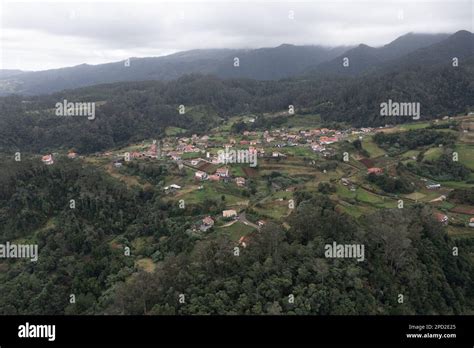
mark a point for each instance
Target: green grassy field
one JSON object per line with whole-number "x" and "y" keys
{"x": 283, "y": 168}
{"x": 459, "y": 232}
{"x": 352, "y": 210}
{"x": 212, "y": 192}
{"x": 466, "y": 155}
{"x": 410, "y": 154}
{"x": 368, "y": 197}
{"x": 191, "y": 155}
{"x": 416, "y": 196}
{"x": 432, "y": 154}
{"x": 299, "y": 151}
{"x": 343, "y": 192}
{"x": 457, "y": 184}
{"x": 303, "y": 121}
{"x": 411, "y": 126}
{"x": 173, "y": 131}
{"x": 236, "y": 170}
{"x": 372, "y": 148}
{"x": 273, "y": 209}
{"x": 235, "y": 231}
{"x": 282, "y": 194}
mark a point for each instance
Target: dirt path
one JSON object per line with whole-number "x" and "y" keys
{"x": 229, "y": 223}
{"x": 242, "y": 218}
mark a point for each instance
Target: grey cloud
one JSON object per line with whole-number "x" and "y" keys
{"x": 66, "y": 33}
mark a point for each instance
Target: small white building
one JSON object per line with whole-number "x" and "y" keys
{"x": 229, "y": 213}
{"x": 222, "y": 172}
{"x": 277, "y": 154}
{"x": 172, "y": 187}
{"x": 317, "y": 148}
{"x": 200, "y": 175}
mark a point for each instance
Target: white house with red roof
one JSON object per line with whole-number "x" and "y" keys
{"x": 152, "y": 151}
{"x": 47, "y": 159}
{"x": 441, "y": 218}
{"x": 222, "y": 172}
{"x": 327, "y": 140}
{"x": 375, "y": 170}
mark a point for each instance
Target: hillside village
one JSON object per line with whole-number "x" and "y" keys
{"x": 313, "y": 158}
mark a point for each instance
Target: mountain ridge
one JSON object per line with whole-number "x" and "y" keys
{"x": 364, "y": 58}
{"x": 270, "y": 63}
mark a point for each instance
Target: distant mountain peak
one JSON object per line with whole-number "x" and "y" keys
{"x": 364, "y": 58}
{"x": 462, "y": 34}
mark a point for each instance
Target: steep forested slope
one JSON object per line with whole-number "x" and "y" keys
{"x": 82, "y": 253}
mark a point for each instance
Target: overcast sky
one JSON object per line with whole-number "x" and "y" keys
{"x": 39, "y": 35}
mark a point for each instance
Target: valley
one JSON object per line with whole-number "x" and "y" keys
{"x": 304, "y": 157}
{"x": 290, "y": 183}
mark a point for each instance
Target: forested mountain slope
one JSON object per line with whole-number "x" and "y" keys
{"x": 136, "y": 110}
{"x": 284, "y": 61}
{"x": 81, "y": 253}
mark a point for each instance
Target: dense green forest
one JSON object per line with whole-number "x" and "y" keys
{"x": 390, "y": 184}
{"x": 441, "y": 169}
{"x": 464, "y": 196}
{"x": 82, "y": 249}
{"x": 400, "y": 142}
{"x": 82, "y": 253}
